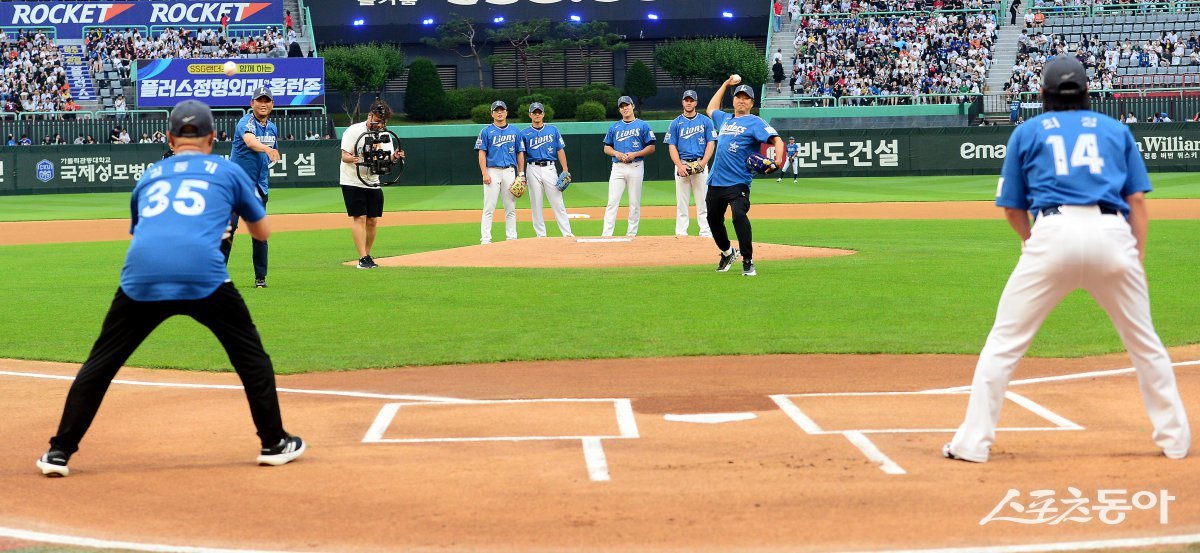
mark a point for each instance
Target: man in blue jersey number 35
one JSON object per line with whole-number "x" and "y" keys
{"x": 180, "y": 211}
{"x": 1081, "y": 175}
{"x": 254, "y": 142}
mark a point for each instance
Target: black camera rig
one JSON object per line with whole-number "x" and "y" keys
{"x": 376, "y": 157}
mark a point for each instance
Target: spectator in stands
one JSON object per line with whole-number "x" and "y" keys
{"x": 1131, "y": 118}
{"x": 225, "y": 24}
{"x": 223, "y": 137}
{"x": 777, "y": 15}
{"x": 10, "y": 141}
{"x": 58, "y": 139}
{"x": 1039, "y": 20}
{"x": 1013, "y": 10}
{"x": 25, "y": 141}
{"x": 78, "y": 140}
{"x": 70, "y": 107}
{"x": 145, "y": 139}
{"x": 777, "y": 74}
{"x": 119, "y": 106}
{"x": 1195, "y": 118}
{"x": 1028, "y": 20}
{"x": 294, "y": 50}
{"x": 89, "y": 140}
{"x": 290, "y": 136}
{"x": 160, "y": 137}
{"x": 47, "y": 140}
{"x": 114, "y": 137}
{"x": 287, "y": 19}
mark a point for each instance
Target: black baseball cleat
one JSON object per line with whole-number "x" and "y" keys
{"x": 365, "y": 262}
{"x": 727, "y": 260}
{"x": 260, "y": 283}
{"x": 282, "y": 453}
{"x": 748, "y": 268}
{"x": 54, "y": 463}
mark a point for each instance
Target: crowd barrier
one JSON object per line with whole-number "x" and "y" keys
{"x": 452, "y": 160}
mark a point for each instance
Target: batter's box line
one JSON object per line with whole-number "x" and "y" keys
{"x": 858, "y": 436}
{"x": 593, "y": 450}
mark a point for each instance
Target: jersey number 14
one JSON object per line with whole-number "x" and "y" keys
{"x": 1085, "y": 153}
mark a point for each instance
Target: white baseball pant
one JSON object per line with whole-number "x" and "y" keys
{"x": 624, "y": 174}
{"x": 502, "y": 178}
{"x": 1079, "y": 248}
{"x": 542, "y": 179}
{"x": 794, "y": 163}
{"x": 695, "y": 186}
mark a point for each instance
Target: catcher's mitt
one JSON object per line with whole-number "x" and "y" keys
{"x": 759, "y": 164}
{"x": 517, "y": 188}
{"x": 564, "y": 180}
{"x": 694, "y": 167}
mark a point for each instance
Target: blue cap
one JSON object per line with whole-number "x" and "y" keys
{"x": 537, "y": 106}
{"x": 624, "y": 100}
{"x": 745, "y": 88}
{"x": 190, "y": 118}
{"x": 690, "y": 94}
{"x": 262, "y": 92}
{"x": 498, "y": 104}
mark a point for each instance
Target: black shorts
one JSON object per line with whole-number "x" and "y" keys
{"x": 363, "y": 201}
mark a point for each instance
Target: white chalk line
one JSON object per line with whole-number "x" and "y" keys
{"x": 593, "y": 456}
{"x": 873, "y": 453}
{"x": 1064, "y": 546}
{"x": 77, "y": 541}
{"x": 622, "y": 408}
{"x": 1060, "y": 378}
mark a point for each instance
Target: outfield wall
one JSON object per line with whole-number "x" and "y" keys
{"x": 439, "y": 160}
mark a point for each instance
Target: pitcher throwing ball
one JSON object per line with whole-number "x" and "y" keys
{"x": 1080, "y": 173}
{"x": 739, "y": 135}
{"x": 181, "y": 207}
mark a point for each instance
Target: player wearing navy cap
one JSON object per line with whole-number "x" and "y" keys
{"x": 180, "y": 210}
{"x": 691, "y": 138}
{"x": 497, "y": 146}
{"x": 254, "y": 141}
{"x": 1080, "y": 173}
{"x": 627, "y": 141}
{"x": 739, "y": 135}
{"x": 539, "y": 145}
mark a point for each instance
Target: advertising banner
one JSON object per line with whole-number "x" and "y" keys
{"x": 70, "y": 18}
{"x": 8, "y": 170}
{"x": 293, "y": 81}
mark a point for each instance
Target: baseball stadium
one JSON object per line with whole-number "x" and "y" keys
{"x": 745, "y": 275}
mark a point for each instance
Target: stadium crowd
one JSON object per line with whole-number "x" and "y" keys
{"x": 33, "y": 77}
{"x": 122, "y": 46}
{"x": 893, "y": 56}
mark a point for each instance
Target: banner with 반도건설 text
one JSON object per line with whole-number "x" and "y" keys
{"x": 69, "y": 19}
{"x": 292, "y": 81}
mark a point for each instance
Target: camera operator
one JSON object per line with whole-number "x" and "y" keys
{"x": 360, "y": 186}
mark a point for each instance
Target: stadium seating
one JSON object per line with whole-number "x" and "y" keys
{"x": 31, "y": 67}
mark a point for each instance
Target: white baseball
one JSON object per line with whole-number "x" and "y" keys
{"x": 735, "y": 79}
{"x": 231, "y": 69}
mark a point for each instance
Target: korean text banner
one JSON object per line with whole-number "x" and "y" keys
{"x": 292, "y": 81}
{"x": 70, "y": 18}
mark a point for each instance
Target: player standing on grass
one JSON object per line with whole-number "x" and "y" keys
{"x": 739, "y": 135}
{"x": 691, "y": 138}
{"x": 627, "y": 141}
{"x": 497, "y": 147}
{"x": 1082, "y": 176}
{"x": 540, "y": 144}
{"x": 364, "y": 201}
{"x": 180, "y": 212}
{"x": 793, "y": 161}
{"x": 253, "y": 150}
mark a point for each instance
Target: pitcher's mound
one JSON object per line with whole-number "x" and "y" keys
{"x": 642, "y": 251}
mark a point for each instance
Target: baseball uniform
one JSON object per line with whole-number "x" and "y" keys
{"x": 691, "y": 136}
{"x": 179, "y": 211}
{"x": 257, "y": 166}
{"x": 729, "y": 181}
{"x": 626, "y": 137}
{"x": 792, "y": 150}
{"x": 1078, "y": 172}
{"x": 500, "y": 146}
{"x": 541, "y": 147}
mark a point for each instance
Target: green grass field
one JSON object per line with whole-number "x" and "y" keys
{"x": 914, "y": 287}
{"x": 437, "y": 198}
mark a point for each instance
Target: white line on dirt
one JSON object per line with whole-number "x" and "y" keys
{"x": 873, "y": 453}
{"x": 76, "y": 541}
{"x": 593, "y": 455}
{"x": 1064, "y": 546}
{"x": 1075, "y": 376}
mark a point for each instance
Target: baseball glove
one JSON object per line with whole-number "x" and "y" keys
{"x": 564, "y": 180}
{"x": 694, "y": 167}
{"x": 759, "y": 164}
{"x": 517, "y": 188}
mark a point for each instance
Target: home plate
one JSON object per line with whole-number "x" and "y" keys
{"x": 711, "y": 418}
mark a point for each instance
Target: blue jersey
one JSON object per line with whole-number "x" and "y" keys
{"x": 792, "y": 149}
{"x": 628, "y": 137}
{"x": 255, "y": 164}
{"x": 179, "y": 211}
{"x": 500, "y": 145}
{"x": 1071, "y": 158}
{"x": 691, "y": 136}
{"x": 737, "y": 138}
{"x": 541, "y": 144}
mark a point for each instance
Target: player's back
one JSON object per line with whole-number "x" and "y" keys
{"x": 180, "y": 208}
{"x": 1078, "y": 157}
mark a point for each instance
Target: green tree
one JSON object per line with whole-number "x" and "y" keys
{"x": 424, "y": 100}
{"x": 460, "y": 36}
{"x": 639, "y": 82}
{"x": 360, "y": 69}
{"x": 585, "y": 39}
{"x": 712, "y": 60}
{"x": 526, "y": 39}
